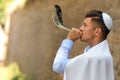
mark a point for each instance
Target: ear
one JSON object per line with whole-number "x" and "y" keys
{"x": 98, "y": 31}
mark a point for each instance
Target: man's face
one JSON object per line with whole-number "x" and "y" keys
{"x": 88, "y": 30}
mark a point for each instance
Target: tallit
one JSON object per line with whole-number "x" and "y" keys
{"x": 95, "y": 64}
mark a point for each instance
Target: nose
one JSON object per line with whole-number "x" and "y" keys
{"x": 81, "y": 28}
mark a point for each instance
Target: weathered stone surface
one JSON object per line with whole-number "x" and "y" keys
{"x": 34, "y": 39}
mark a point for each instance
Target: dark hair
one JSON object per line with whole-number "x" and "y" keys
{"x": 96, "y": 16}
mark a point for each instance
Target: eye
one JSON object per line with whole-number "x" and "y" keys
{"x": 84, "y": 24}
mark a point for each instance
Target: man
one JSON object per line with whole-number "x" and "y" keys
{"x": 96, "y": 62}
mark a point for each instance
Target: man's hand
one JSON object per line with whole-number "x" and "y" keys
{"x": 74, "y": 34}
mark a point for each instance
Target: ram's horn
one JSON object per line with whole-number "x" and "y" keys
{"x": 57, "y": 18}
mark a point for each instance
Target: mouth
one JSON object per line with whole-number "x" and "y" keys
{"x": 81, "y": 35}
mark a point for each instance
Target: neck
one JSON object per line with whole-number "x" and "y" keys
{"x": 95, "y": 42}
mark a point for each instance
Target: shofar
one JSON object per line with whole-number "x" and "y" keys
{"x": 57, "y": 18}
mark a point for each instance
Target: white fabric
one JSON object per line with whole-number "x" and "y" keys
{"x": 107, "y": 20}
{"x": 95, "y": 64}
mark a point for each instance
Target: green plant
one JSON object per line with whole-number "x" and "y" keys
{"x": 12, "y": 72}
{"x": 8, "y": 7}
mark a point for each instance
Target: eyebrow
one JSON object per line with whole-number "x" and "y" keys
{"x": 84, "y": 23}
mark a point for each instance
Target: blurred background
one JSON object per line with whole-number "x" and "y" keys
{"x": 29, "y": 39}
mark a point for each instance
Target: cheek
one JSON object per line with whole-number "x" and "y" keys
{"x": 88, "y": 34}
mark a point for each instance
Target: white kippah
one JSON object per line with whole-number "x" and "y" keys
{"x": 107, "y": 21}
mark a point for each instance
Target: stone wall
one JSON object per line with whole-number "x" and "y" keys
{"x": 34, "y": 39}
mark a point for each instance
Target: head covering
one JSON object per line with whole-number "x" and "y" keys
{"x": 107, "y": 21}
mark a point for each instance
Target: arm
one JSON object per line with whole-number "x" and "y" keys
{"x": 61, "y": 58}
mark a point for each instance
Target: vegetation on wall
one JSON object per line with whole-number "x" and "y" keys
{"x": 9, "y": 6}
{"x": 12, "y": 72}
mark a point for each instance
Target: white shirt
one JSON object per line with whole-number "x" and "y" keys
{"x": 62, "y": 55}
{"x": 95, "y": 64}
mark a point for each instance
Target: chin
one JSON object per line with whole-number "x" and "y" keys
{"x": 82, "y": 40}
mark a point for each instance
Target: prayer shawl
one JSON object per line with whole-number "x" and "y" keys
{"x": 95, "y": 64}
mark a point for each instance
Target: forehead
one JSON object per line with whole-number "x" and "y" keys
{"x": 87, "y": 20}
